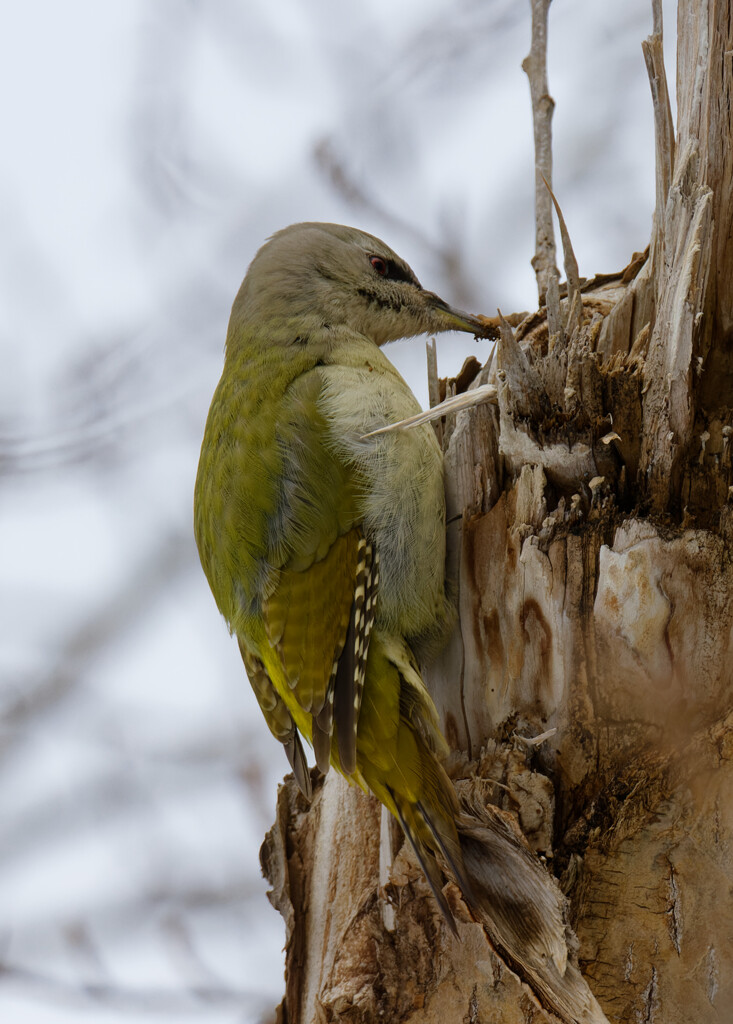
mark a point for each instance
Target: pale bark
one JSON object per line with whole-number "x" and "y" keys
{"x": 587, "y": 686}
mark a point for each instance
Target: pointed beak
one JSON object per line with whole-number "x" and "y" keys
{"x": 446, "y": 318}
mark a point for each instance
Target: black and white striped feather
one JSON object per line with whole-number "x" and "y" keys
{"x": 347, "y": 683}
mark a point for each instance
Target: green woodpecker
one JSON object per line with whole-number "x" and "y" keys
{"x": 325, "y": 547}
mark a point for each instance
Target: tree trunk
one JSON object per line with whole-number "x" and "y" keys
{"x": 588, "y": 682}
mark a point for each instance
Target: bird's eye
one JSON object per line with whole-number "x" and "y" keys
{"x": 379, "y": 265}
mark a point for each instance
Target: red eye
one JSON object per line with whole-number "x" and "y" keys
{"x": 379, "y": 265}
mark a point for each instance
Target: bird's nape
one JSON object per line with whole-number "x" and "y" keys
{"x": 316, "y": 278}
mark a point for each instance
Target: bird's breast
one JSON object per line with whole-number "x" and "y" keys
{"x": 402, "y": 496}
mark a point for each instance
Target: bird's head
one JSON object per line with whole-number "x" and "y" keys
{"x": 312, "y": 276}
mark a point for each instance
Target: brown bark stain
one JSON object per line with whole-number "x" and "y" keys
{"x": 538, "y": 636}
{"x": 492, "y": 639}
{"x": 451, "y": 731}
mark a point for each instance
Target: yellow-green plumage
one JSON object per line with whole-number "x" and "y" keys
{"x": 324, "y": 549}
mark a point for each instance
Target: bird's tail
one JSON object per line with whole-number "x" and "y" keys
{"x": 522, "y": 909}
{"x": 429, "y": 824}
{"x": 399, "y": 749}
{"x": 507, "y": 889}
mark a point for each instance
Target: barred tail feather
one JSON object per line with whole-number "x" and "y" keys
{"x": 508, "y": 891}
{"x": 399, "y": 748}
{"x": 323, "y": 726}
{"x": 524, "y": 913}
{"x": 299, "y": 763}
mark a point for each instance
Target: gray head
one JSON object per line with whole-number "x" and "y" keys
{"x": 312, "y": 276}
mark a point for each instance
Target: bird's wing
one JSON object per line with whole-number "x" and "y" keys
{"x": 320, "y": 604}
{"x": 278, "y": 718}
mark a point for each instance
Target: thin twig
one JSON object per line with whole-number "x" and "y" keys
{"x": 535, "y": 66}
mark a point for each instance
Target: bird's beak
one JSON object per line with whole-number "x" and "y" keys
{"x": 446, "y": 318}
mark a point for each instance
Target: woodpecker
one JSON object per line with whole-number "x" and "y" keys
{"x": 325, "y": 547}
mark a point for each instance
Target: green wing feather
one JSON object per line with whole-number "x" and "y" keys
{"x": 278, "y": 718}
{"x": 307, "y": 616}
{"x": 283, "y": 555}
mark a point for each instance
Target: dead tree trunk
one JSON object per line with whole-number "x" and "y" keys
{"x": 588, "y": 683}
